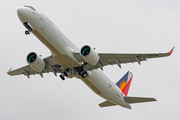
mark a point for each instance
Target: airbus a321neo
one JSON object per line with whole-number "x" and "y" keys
{"x": 85, "y": 64}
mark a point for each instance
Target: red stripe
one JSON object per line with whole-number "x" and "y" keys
{"x": 126, "y": 88}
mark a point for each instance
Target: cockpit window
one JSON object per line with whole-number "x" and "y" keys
{"x": 30, "y": 7}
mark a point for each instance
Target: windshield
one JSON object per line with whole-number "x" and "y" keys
{"x": 30, "y": 7}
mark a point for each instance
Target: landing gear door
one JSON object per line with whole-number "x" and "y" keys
{"x": 28, "y": 26}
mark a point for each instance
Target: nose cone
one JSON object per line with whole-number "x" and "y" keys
{"x": 21, "y": 13}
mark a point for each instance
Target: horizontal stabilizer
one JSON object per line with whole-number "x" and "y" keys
{"x": 138, "y": 99}
{"x": 106, "y": 104}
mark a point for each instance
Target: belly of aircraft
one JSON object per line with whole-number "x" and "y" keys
{"x": 64, "y": 60}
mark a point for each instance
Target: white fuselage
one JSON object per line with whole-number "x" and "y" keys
{"x": 62, "y": 50}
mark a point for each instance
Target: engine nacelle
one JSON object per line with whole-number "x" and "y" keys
{"x": 89, "y": 55}
{"x": 35, "y": 61}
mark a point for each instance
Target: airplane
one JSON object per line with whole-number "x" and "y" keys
{"x": 85, "y": 64}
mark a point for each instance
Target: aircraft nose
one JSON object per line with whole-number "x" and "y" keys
{"x": 21, "y": 13}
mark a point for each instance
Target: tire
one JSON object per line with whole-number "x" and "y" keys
{"x": 84, "y": 74}
{"x": 62, "y": 77}
{"x": 80, "y": 72}
{"x": 65, "y": 73}
{"x": 26, "y": 32}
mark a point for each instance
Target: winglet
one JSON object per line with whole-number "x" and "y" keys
{"x": 171, "y": 51}
{"x": 9, "y": 70}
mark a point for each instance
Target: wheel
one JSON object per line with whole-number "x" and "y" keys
{"x": 62, "y": 77}
{"x": 27, "y": 32}
{"x": 84, "y": 74}
{"x": 67, "y": 70}
{"x": 65, "y": 73}
{"x": 80, "y": 72}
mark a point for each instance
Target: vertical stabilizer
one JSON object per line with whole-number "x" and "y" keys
{"x": 124, "y": 82}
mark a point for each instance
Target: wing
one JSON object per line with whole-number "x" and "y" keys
{"x": 51, "y": 64}
{"x": 111, "y": 59}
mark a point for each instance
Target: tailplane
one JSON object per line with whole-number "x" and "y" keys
{"x": 106, "y": 104}
{"x": 138, "y": 99}
{"x": 124, "y": 82}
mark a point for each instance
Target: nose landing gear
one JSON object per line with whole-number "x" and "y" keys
{"x": 27, "y": 32}
{"x": 29, "y": 28}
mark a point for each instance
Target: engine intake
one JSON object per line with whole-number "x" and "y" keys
{"x": 35, "y": 61}
{"x": 89, "y": 55}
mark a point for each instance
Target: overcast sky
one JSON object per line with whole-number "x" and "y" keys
{"x": 113, "y": 26}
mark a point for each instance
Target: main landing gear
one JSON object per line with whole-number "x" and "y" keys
{"x": 64, "y": 72}
{"x": 62, "y": 76}
{"x": 83, "y": 73}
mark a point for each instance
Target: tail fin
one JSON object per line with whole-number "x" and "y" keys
{"x": 124, "y": 82}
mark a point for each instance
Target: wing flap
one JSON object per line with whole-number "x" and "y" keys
{"x": 106, "y": 104}
{"x": 138, "y": 99}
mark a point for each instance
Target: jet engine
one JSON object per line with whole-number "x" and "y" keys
{"x": 35, "y": 61}
{"x": 89, "y": 55}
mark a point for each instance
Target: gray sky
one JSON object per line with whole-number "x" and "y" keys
{"x": 114, "y": 26}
